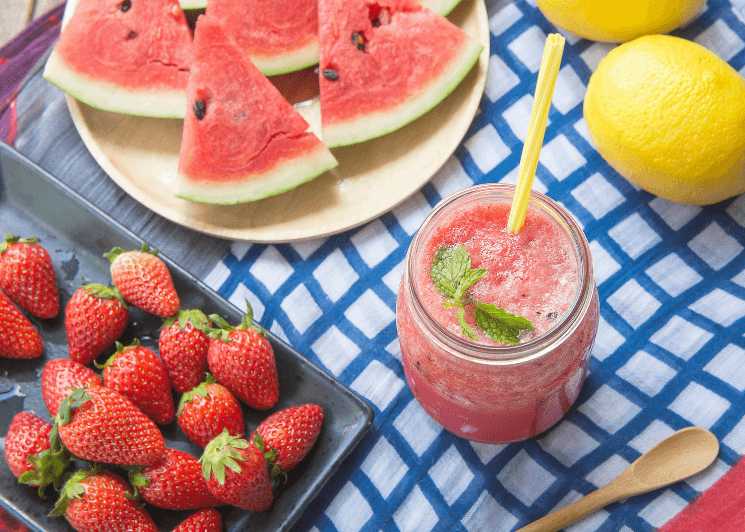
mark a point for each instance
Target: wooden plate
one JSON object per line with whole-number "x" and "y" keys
{"x": 141, "y": 155}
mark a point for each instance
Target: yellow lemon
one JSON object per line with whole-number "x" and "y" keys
{"x": 669, "y": 115}
{"x": 614, "y": 21}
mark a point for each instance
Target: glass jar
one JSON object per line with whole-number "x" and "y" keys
{"x": 483, "y": 390}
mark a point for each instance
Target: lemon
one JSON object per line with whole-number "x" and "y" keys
{"x": 669, "y": 115}
{"x": 614, "y": 21}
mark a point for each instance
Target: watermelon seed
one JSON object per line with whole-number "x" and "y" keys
{"x": 330, "y": 74}
{"x": 131, "y": 35}
{"x": 126, "y": 5}
{"x": 200, "y": 107}
{"x": 359, "y": 41}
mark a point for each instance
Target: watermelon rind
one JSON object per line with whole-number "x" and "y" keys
{"x": 111, "y": 97}
{"x": 285, "y": 176}
{"x": 301, "y": 58}
{"x": 443, "y": 7}
{"x": 192, "y": 4}
{"x": 382, "y": 122}
{"x": 67, "y": 14}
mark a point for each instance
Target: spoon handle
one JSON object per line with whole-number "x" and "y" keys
{"x": 574, "y": 512}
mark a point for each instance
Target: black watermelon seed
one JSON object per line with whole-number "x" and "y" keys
{"x": 126, "y": 5}
{"x": 359, "y": 40}
{"x": 131, "y": 35}
{"x": 330, "y": 74}
{"x": 200, "y": 107}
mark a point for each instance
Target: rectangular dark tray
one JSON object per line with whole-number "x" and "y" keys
{"x": 77, "y": 234}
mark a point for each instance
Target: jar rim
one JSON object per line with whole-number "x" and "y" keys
{"x": 535, "y": 347}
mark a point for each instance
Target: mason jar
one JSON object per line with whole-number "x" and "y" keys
{"x": 488, "y": 390}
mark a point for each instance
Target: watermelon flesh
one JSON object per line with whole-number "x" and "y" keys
{"x": 279, "y": 36}
{"x": 384, "y": 63}
{"x": 126, "y": 56}
{"x": 241, "y": 140}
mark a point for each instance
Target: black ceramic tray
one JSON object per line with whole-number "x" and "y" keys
{"x": 76, "y": 234}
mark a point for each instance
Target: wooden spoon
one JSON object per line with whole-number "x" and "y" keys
{"x": 685, "y": 453}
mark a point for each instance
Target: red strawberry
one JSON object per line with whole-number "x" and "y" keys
{"x": 101, "y": 425}
{"x": 182, "y": 346}
{"x": 206, "y": 520}
{"x": 27, "y": 435}
{"x": 138, "y": 374}
{"x": 101, "y": 501}
{"x": 95, "y": 317}
{"x": 18, "y": 337}
{"x": 175, "y": 482}
{"x": 28, "y": 453}
{"x": 27, "y": 276}
{"x": 237, "y": 473}
{"x": 60, "y": 376}
{"x": 288, "y": 435}
{"x": 242, "y": 359}
{"x": 206, "y": 410}
{"x": 144, "y": 280}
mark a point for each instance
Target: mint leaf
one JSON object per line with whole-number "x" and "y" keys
{"x": 452, "y": 273}
{"x": 448, "y": 269}
{"x": 498, "y": 324}
{"x": 464, "y": 327}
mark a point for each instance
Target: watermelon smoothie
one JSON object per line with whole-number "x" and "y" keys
{"x": 479, "y": 388}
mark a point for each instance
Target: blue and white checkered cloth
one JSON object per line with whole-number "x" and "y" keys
{"x": 670, "y": 351}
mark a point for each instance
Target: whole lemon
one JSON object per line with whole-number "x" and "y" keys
{"x": 669, "y": 115}
{"x": 613, "y": 21}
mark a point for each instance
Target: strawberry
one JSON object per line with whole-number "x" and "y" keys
{"x": 237, "y": 473}
{"x": 144, "y": 280}
{"x": 288, "y": 435}
{"x": 27, "y": 276}
{"x": 175, "y": 482}
{"x": 182, "y": 346}
{"x": 95, "y": 317}
{"x": 206, "y": 410}
{"x": 101, "y": 425}
{"x": 60, "y": 376}
{"x": 138, "y": 374}
{"x": 28, "y": 453}
{"x": 205, "y": 520}
{"x": 18, "y": 337}
{"x": 101, "y": 501}
{"x": 242, "y": 359}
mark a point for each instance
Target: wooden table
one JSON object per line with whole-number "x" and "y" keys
{"x": 15, "y": 14}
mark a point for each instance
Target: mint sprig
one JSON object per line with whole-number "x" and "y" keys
{"x": 452, "y": 275}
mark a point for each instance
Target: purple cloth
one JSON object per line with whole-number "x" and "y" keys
{"x": 18, "y": 57}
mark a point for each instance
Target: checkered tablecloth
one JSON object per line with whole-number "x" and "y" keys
{"x": 670, "y": 351}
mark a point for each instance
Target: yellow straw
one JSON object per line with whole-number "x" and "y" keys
{"x": 544, "y": 91}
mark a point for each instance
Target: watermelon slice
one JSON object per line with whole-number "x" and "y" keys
{"x": 384, "y": 63}
{"x": 279, "y": 36}
{"x": 241, "y": 141}
{"x": 126, "y": 56}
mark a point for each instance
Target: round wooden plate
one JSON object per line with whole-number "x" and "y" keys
{"x": 141, "y": 155}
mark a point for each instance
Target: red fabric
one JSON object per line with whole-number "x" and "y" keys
{"x": 720, "y": 508}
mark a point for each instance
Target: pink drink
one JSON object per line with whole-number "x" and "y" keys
{"x": 480, "y": 389}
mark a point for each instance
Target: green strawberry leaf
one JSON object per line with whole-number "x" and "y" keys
{"x": 498, "y": 324}
{"x": 220, "y": 453}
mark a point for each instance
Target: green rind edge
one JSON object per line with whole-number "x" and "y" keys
{"x": 382, "y": 122}
{"x": 304, "y": 57}
{"x": 287, "y": 176}
{"x": 443, "y": 7}
{"x": 111, "y": 97}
